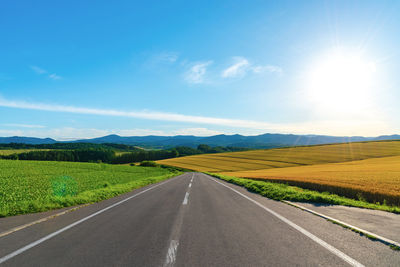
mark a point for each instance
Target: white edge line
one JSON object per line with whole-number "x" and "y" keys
{"x": 383, "y": 239}
{"x": 321, "y": 242}
{"x": 20, "y": 227}
{"x": 41, "y": 240}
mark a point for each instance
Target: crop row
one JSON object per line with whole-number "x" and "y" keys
{"x": 376, "y": 180}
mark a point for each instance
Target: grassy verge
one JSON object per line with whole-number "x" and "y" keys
{"x": 279, "y": 191}
{"x": 31, "y": 186}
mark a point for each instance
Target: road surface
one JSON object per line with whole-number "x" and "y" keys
{"x": 191, "y": 220}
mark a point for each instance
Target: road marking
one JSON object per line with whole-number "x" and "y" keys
{"x": 41, "y": 240}
{"x": 171, "y": 254}
{"x": 15, "y": 229}
{"x": 175, "y": 233}
{"x": 321, "y": 242}
{"x": 185, "y": 200}
{"x": 365, "y": 232}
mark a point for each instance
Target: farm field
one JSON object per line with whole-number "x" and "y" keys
{"x": 365, "y": 170}
{"x": 286, "y": 157}
{"x": 375, "y": 179}
{"x": 32, "y": 186}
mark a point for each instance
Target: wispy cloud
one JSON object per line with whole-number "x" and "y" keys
{"x": 41, "y": 71}
{"x": 267, "y": 68}
{"x": 242, "y": 66}
{"x": 149, "y": 115}
{"x": 54, "y": 76}
{"x": 157, "y": 61}
{"x": 196, "y": 73}
{"x": 71, "y": 133}
{"x": 330, "y": 127}
{"x": 196, "y": 132}
{"x": 17, "y": 125}
{"x": 38, "y": 70}
{"x": 170, "y": 57}
{"x": 239, "y": 68}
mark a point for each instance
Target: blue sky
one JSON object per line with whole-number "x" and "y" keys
{"x": 76, "y": 69}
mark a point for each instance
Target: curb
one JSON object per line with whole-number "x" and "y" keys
{"x": 393, "y": 244}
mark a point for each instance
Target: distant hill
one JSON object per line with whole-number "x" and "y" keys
{"x": 257, "y": 141}
{"x": 26, "y": 140}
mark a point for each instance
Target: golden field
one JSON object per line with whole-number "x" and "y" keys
{"x": 369, "y": 170}
{"x": 286, "y": 157}
{"x": 375, "y": 179}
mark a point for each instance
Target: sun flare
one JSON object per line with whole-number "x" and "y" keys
{"x": 341, "y": 82}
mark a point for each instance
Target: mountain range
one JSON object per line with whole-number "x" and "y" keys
{"x": 258, "y": 141}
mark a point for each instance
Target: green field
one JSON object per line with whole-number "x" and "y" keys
{"x": 33, "y": 186}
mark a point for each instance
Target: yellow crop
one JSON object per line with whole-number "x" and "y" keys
{"x": 286, "y": 157}
{"x": 369, "y": 170}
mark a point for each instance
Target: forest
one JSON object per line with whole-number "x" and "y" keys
{"x": 107, "y": 153}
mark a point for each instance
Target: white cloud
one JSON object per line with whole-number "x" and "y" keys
{"x": 17, "y": 125}
{"x": 242, "y": 66}
{"x": 196, "y": 132}
{"x": 70, "y": 133}
{"x": 352, "y": 126}
{"x": 138, "y": 132}
{"x": 54, "y": 76}
{"x": 267, "y": 68}
{"x": 148, "y": 115}
{"x": 237, "y": 69}
{"x": 11, "y": 133}
{"x": 41, "y": 71}
{"x": 197, "y": 72}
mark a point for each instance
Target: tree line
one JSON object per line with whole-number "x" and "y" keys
{"x": 109, "y": 155}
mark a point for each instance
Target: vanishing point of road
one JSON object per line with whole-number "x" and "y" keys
{"x": 191, "y": 220}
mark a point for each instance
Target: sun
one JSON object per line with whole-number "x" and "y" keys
{"x": 341, "y": 82}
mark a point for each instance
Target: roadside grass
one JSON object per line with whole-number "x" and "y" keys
{"x": 36, "y": 186}
{"x": 279, "y": 191}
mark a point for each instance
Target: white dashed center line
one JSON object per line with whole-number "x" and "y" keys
{"x": 171, "y": 254}
{"x": 185, "y": 200}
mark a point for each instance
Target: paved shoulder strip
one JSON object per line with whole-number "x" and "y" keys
{"x": 43, "y": 239}
{"x": 15, "y": 229}
{"x": 382, "y": 239}
{"x": 316, "y": 239}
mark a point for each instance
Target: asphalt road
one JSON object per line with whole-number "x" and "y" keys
{"x": 191, "y": 220}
